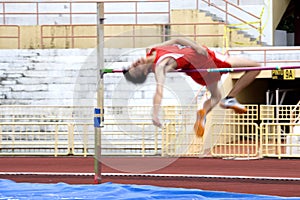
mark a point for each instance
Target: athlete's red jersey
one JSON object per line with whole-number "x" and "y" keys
{"x": 187, "y": 58}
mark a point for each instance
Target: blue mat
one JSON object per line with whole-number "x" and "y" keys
{"x": 110, "y": 191}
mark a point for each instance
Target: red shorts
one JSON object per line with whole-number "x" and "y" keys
{"x": 188, "y": 59}
{"x": 216, "y": 60}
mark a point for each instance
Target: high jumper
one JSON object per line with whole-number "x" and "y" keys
{"x": 196, "y": 61}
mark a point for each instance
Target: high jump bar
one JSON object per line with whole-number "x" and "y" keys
{"x": 237, "y": 69}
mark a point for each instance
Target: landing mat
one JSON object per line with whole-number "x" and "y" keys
{"x": 110, "y": 191}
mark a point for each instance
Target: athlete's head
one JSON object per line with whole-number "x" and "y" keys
{"x": 138, "y": 71}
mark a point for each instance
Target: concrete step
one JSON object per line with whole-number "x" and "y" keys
{"x": 55, "y": 81}
{"x": 220, "y": 18}
{"x": 46, "y": 76}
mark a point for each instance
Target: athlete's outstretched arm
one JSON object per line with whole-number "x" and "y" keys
{"x": 183, "y": 42}
{"x": 166, "y": 65}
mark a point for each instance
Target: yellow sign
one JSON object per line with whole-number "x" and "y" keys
{"x": 289, "y": 74}
{"x": 286, "y": 74}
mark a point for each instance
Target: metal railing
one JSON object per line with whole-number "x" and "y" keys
{"x": 73, "y": 34}
{"x": 46, "y": 130}
{"x": 40, "y": 138}
{"x": 141, "y": 35}
{"x": 12, "y": 35}
{"x": 242, "y": 24}
{"x": 259, "y": 133}
{"x": 38, "y": 12}
{"x": 280, "y": 131}
{"x": 70, "y": 11}
{"x": 70, "y": 35}
{"x": 270, "y": 55}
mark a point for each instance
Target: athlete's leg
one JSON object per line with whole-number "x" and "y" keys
{"x": 208, "y": 105}
{"x": 247, "y": 78}
{"x": 215, "y": 98}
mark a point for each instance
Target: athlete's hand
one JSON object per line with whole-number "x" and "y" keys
{"x": 156, "y": 122}
{"x": 201, "y": 51}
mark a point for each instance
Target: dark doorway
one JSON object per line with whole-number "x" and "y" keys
{"x": 289, "y": 91}
{"x": 290, "y": 21}
{"x": 297, "y": 22}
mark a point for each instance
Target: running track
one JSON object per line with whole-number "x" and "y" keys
{"x": 207, "y": 167}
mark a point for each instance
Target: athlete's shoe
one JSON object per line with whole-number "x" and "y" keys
{"x": 199, "y": 125}
{"x": 232, "y": 103}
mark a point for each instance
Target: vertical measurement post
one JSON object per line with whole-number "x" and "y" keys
{"x": 99, "y": 111}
